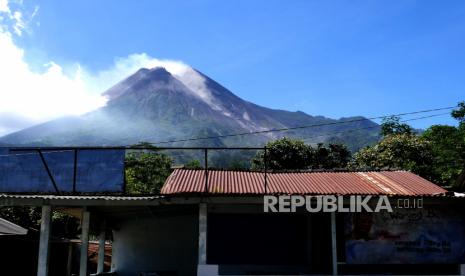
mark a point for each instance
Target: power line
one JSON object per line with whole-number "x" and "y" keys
{"x": 301, "y": 127}
{"x": 304, "y": 138}
{"x": 371, "y": 127}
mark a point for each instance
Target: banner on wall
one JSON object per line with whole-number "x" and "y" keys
{"x": 405, "y": 236}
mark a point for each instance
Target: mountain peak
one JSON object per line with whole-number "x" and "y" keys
{"x": 158, "y": 73}
{"x": 142, "y": 77}
{"x": 175, "y": 101}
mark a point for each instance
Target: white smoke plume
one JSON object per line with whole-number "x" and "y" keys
{"x": 28, "y": 97}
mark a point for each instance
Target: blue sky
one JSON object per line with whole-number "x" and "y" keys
{"x": 331, "y": 58}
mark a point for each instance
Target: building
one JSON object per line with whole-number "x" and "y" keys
{"x": 212, "y": 222}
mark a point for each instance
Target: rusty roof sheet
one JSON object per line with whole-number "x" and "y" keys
{"x": 221, "y": 182}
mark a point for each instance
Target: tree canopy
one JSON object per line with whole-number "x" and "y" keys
{"x": 396, "y": 151}
{"x": 146, "y": 171}
{"x": 437, "y": 154}
{"x": 392, "y": 125}
{"x": 294, "y": 154}
{"x": 448, "y": 151}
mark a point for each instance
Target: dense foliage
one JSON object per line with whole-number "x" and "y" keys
{"x": 437, "y": 154}
{"x": 392, "y": 125}
{"x": 293, "y": 154}
{"x": 63, "y": 225}
{"x": 396, "y": 151}
{"x": 146, "y": 171}
{"x": 448, "y": 151}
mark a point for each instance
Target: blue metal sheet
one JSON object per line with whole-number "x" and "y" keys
{"x": 97, "y": 171}
{"x": 100, "y": 171}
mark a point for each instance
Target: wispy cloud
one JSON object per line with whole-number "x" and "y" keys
{"x": 14, "y": 18}
{"x": 28, "y": 97}
{"x": 4, "y": 6}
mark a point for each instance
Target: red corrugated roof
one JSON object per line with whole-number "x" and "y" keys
{"x": 402, "y": 183}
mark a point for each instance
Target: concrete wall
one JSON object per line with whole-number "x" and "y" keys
{"x": 166, "y": 242}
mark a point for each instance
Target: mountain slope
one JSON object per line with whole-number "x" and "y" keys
{"x": 155, "y": 105}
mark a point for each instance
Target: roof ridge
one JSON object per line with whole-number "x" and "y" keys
{"x": 295, "y": 171}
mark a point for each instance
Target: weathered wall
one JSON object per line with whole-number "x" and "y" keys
{"x": 430, "y": 235}
{"x": 164, "y": 242}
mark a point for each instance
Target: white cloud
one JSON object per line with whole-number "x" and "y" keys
{"x": 15, "y": 20}
{"x": 40, "y": 96}
{"x": 31, "y": 97}
{"x": 4, "y": 6}
{"x": 35, "y": 97}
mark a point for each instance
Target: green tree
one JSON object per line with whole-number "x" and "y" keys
{"x": 335, "y": 156}
{"x": 448, "y": 151}
{"x": 146, "y": 171}
{"x": 284, "y": 154}
{"x": 397, "y": 151}
{"x": 459, "y": 114}
{"x": 392, "y": 125}
{"x": 27, "y": 217}
{"x": 438, "y": 154}
{"x": 293, "y": 154}
{"x": 63, "y": 225}
{"x": 193, "y": 164}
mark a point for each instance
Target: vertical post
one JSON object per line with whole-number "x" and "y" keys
{"x": 84, "y": 242}
{"x": 266, "y": 168}
{"x": 75, "y": 170}
{"x": 101, "y": 248}
{"x": 202, "y": 234}
{"x": 333, "y": 242}
{"x": 44, "y": 245}
{"x": 206, "y": 170}
{"x": 69, "y": 263}
{"x": 112, "y": 259}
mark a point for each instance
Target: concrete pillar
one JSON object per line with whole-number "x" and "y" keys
{"x": 101, "y": 249}
{"x": 84, "y": 242}
{"x": 204, "y": 269}
{"x": 44, "y": 245}
{"x": 69, "y": 263}
{"x": 334, "y": 242}
{"x": 202, "y": 233}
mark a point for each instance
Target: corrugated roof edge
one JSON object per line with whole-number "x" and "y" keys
{"x": 295, "y": 171}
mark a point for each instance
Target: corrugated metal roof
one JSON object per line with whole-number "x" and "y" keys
{"x": 400, "y": 183}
